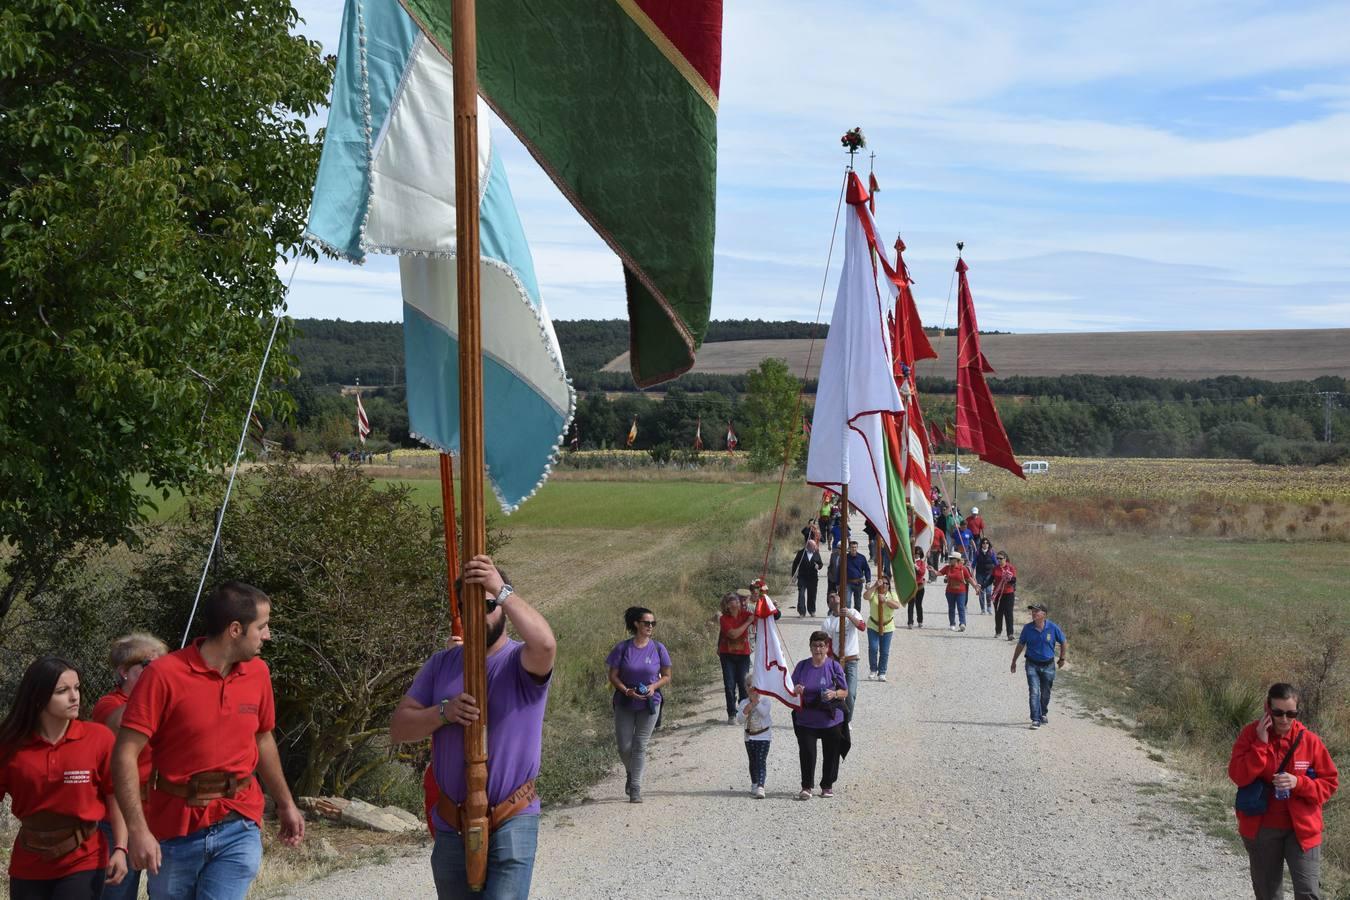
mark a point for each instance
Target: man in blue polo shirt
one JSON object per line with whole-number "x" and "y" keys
{"x": 1038, "y": 639}
{"x": 859, "y": 574}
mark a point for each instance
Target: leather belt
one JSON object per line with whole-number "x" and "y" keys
{"x": 498, "y": 815}
{"x": 52, "y": 835}
{"x": 202, "y": 788}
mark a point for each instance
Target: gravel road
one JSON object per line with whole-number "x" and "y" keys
{"x": 946, "y": 793}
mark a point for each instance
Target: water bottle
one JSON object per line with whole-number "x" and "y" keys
{"x": 1282, "y": 793}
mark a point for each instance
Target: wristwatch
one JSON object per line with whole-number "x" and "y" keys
{"x": 494, "y": 602}
{"x": 441, "y": 708}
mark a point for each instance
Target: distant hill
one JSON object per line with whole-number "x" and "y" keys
{"x": 1274, "y": 355}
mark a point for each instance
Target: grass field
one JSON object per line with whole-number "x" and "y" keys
{"x": 1276, "y": 355}
{"x": 1183, "y": 635}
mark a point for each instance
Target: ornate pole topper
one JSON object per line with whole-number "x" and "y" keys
{"x": 853, "y": 141}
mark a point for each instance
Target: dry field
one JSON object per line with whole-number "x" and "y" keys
{"x": 1203, "y": 497}
{"x": 1275, "y": 355}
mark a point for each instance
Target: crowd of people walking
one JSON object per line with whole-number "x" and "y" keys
{"x": 157, "y": 785}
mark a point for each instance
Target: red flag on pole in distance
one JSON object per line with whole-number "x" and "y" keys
{"x": 732, "y": 440}
{"x": 909, "y": 337}
{"x": 698, "y": 435}
{"x": 632, "y": 434}
{"x": 978, "y": 427}
{"x": 362, "y": 422}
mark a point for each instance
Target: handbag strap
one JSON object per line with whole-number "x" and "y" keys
{"x": 1290, "y": 755}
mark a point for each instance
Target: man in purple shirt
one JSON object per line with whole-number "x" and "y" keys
{"x": 517, "y": 691}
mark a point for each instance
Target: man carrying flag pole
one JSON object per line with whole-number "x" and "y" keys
{"x": 648, "y": 72}
{"x": 856, "y": 388}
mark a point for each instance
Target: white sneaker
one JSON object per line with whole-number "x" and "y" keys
{"x": 962, "y": 627}
{"x": 881, "y": 678}
{"x": 758, "y": 792}
{"x": 953, "y": 628}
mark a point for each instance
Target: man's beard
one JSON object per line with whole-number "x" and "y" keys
{"x": 494, "y": 632}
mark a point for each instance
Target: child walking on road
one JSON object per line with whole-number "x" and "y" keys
{"x": 755, "y": 715}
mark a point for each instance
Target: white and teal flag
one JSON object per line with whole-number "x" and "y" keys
{"x": 386, "y": 185}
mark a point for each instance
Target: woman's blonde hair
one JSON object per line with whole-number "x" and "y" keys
{"x": 133, "y": 648}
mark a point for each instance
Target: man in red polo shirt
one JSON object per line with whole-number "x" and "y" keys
{"x": 207, "y": 713}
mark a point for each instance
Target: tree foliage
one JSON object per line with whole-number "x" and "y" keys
{"x": 357, "y": 578}
{"x": 772, "y": 426}
{"x": 154, "y": 162}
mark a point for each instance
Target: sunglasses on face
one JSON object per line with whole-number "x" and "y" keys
{"x": 650, "y": 623}
{"x": 1284, "y": 714}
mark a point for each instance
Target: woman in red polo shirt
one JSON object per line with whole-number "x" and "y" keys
{"x": 57, "y": 772}
{"x": 129, "y": 656}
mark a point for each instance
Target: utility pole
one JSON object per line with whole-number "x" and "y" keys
{"x": 1328, "y": 400}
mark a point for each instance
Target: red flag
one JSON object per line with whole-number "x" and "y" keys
{"x": 698, "y": 434}
{"x": 978, "y": 427}
{"x": 806, "y": 427}
{"x": 362, "y": 423}
{"x": 632, "y": 434}
{"x": 908, "y": 337}
{"x": 732, "y": 441}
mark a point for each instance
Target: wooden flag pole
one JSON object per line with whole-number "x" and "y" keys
{"x": 451, "y": 542}
{"x": 843, "y": 568}
{"x": 464, "y": 56}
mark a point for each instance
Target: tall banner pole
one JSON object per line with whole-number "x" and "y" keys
{"x": 843, "y": 568}
{"x": 451, "y": 542}
{"x": 956, "y": 447}
{"x": 464, "y": 53}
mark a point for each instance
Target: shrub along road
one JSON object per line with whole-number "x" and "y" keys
{"x": 946, "y": 793}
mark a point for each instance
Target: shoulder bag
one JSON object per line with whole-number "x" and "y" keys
{"x": 1253, "y": 799}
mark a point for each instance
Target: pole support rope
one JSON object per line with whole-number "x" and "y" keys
{"x": 238, "y": 454}
{"x": 806, "y": 372}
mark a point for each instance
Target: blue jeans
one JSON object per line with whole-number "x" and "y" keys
{"x": 510, "y": 865}
{"x": 878, "y": 651}
{"x": 851, "y": 679}
{"x": 131, "y": 884}
{"x": 855, "y": 589}
{"x": 987, "y": 596}
{"x": 956, "y": 604}
{"x": 735, "y": 666}
{"x": 213, "y": 863}
{"x": 1040, "y": 679}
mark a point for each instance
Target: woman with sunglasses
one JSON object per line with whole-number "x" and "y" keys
{"x": 1005, "y": 595}
{"x": 129, "y": 656}
{"x": 57, "y": 772}
{"x": 638, "y": 668}
{"x": 1299, "y": 778}
{"x": 824, "y": 690}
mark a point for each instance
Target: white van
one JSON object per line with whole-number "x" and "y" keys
{"x": 1035, "y": 467}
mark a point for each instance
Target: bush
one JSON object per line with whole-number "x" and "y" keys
{"x": 1281, "y": 452}
{"x": 357, "y": 579}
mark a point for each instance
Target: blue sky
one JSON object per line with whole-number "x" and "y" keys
{"x": 1110, "y": 166}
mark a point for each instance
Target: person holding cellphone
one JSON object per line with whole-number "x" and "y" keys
{"x": 1281, "y": 751}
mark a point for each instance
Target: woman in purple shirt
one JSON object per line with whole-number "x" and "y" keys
{"x": 638, "y": 668}
{"x": 824, "y": 690}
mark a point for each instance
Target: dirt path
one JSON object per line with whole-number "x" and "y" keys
{"x": 947, "y": 793}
